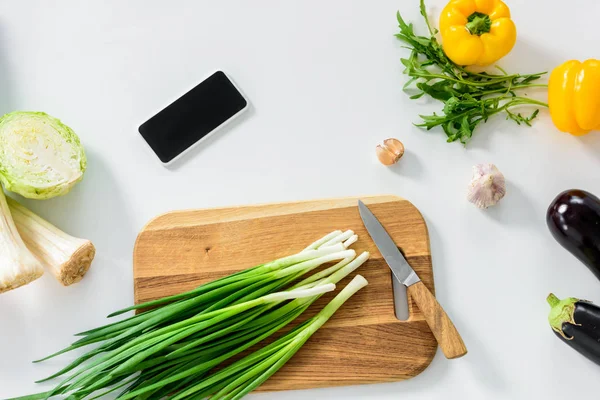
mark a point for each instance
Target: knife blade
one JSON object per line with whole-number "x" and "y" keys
{"x": 440, "y": 324}
{"x": 391, "y": 255}
{"x": 387, "y": 247}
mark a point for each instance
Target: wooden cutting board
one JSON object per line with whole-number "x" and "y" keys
{"x": 363, "y": 342}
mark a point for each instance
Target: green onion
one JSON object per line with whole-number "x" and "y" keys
{"x": 277, "y": 318}
{"x": 165, "y": 350}
{"x": 256, "y": 368}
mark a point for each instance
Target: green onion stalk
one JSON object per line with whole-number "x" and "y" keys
{"x": 163, "y": 350}
{"x": 270, "y": 322}
{"x": 245, "y": 375}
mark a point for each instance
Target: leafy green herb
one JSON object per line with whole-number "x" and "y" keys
{"x": 469, "y": 97}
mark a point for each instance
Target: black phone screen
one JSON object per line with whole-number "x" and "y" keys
{"x": 193, "y": 116}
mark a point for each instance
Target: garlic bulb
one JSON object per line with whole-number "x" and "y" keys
{"x": 487, "y": 186}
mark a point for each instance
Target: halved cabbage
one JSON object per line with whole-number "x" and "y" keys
{"x": 40, "y": 157}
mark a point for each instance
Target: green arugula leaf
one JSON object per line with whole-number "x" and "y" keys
{"x": 469, "y": 98}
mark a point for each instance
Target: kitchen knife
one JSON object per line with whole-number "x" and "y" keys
{"x": 440, "y": 324}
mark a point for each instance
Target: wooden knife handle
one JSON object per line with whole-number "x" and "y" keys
{"x": 443, "y": 329}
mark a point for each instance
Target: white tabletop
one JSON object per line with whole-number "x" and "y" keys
{"x": 325, "y": 82}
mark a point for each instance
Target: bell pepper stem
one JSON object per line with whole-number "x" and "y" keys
{"x": 479, "y": 23}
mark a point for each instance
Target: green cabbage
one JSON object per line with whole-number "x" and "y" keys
{"x": 40, "y": 157}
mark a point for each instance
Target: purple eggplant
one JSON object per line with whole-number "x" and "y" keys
{"x": 574, "y": 220}
{"x": 577, "y": 323}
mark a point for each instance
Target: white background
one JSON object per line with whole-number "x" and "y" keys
{"x": 325, "y": 82}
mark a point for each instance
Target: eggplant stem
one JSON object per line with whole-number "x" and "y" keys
{"x": 561, "y": 312}
{"x": 552, "y": 300}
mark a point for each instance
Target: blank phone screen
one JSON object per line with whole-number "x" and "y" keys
{"x": 193, "y": 116}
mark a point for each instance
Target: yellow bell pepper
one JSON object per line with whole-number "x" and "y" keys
{"x": 574, "y": 96}
{"x": 477, "y": 32}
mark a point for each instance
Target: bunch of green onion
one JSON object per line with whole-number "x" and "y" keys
{"x": 172, "y": 351}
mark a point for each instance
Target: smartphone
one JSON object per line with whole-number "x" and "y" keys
{"x": 194, "y": 116}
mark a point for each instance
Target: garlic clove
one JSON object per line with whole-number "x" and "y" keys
{"x": 395, "y": 146}
{"x": 385, "y": 156}
{"x": 487, "y": 186}
{"x": 391, "y": 151}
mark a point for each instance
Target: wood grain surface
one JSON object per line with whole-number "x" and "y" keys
{"x": 363, "y": 342}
